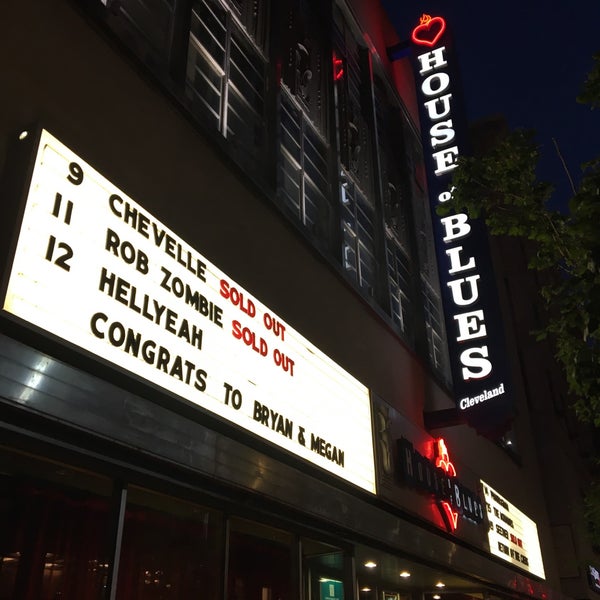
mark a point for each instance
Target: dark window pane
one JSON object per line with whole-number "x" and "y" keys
{"x": 303, "y": 165}
{"x": 145, "y": 26}
{"x": 357, "y": 221}
{"x": 226, "y": 77}
{"x": 260, "y": 564}
{"x": 322, "y": 570}
{"x": 171, "y": 549}
{"x": 314, "y": 201}
{"x": 204, "y": 83}
{"x": 247, "y": 72}
{"x": 315, "y": 162}
{"x": 210, "y": 30}
{"x": 54, "y": 524}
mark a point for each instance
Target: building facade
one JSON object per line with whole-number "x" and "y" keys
{"x": 222, "y": 324}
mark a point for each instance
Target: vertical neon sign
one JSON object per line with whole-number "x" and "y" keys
{"x": 473, "y": 319}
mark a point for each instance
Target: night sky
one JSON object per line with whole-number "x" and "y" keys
{"x": 526, "y": 60}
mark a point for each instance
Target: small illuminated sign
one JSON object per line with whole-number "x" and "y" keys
{"x": 442, "y": 461}
{"x": 512, "y": 535}
{"x": 331, "y": 589}
{"x": 473, "y": 318}
{"x": 437, "y": 477}
{"x": 95, "y": 269}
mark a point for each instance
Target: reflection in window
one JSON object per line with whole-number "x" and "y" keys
{"x": 303, "y": 59}
{"x": 170, "y": 549}
{"x": 260, "y": 563}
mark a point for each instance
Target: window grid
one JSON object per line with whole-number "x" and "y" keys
{"x": 357, "y": 212}
{"x": 304, "y": 170}
{"x": 396, "y": 200}
{"x": 226, "y": 76}
{"x": 435, "y": 328}
{"x": 358, "y": 230}
{"x": 398, "y": 265}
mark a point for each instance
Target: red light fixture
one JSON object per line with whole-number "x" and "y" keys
{"x": 442, "y": 458}
{"x": 442, "y": 461}
{"x": 338, "y": 68}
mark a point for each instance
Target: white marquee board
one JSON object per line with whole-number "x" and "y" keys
{"x": 512, "y": 535}
{"x": 94, "y": 268}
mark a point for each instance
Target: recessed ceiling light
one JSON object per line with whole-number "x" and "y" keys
{"x": 436, "y": 597}
{"x": 405, "y": 574}
{"x": 440, "y": 584}
{"x": 370, "y": 564}
{"x": 365, "y": 589}
{"x": 23, "y": 135}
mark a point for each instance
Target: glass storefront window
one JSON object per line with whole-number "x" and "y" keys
{"x": 322, "y": 570}
{"x": 54, "y": 521}
{"x": 170, "y": 549}
{"x": 57, "y": 542}
{"x": 260, "y": 562}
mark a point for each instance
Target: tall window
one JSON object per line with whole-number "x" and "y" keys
{"x": 303, "y": 147}
{"x": 171, "y": 549}
{"x": 358, "y": 231}
{"x": 430, "y": 287}
{"x": 304, "y": 169}
{"x": 399, "y": 282}
{"x": 356, "y": 191}
{"x": 260, "y": 562}
{"x": 226, "y": 72}
{"x": 396, "y": 204}
{"x": 434, "y": 325}
{"x": 54, "y": 530}
{"x": 146, "y": 26}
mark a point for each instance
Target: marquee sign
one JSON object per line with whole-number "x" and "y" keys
{"x": 473, "y": 319}
{"x": 437, "y": 476}
{"x": 94, "y": 269}
{"x": 512, "y": 535}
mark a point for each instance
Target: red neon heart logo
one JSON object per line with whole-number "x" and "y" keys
{"x": 451, "y": 516}
{"x": 429, "y": 30}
